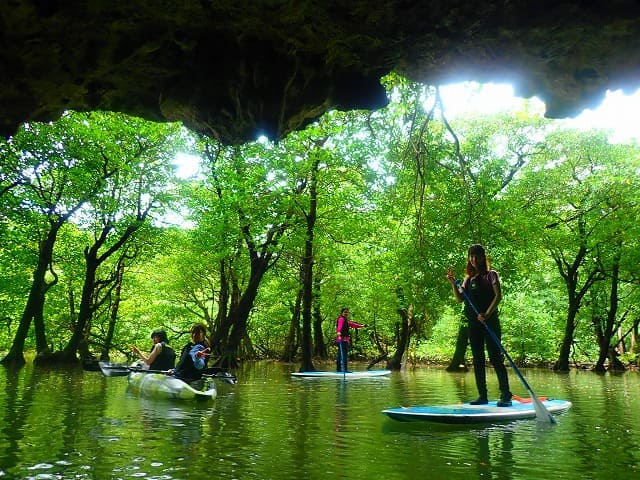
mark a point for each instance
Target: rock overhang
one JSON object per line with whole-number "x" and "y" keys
{"x": 231, "y": 70}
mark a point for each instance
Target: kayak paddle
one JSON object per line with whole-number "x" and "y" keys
{"x": 542, "y": 414}
{"x": 109, "y": 369}
{"x": 120, "y": 370}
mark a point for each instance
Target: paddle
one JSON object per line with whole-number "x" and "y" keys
{"x": 220, "y": 374}
{"x": 121, "y": 370}
{"x": 113, "y": 369}
{"x": 542, "y": 414}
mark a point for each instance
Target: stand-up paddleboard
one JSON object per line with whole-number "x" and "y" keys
{"x": 347, "y": 375}
{"x": 467, "y": 413}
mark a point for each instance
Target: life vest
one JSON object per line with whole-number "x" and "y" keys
{"x": 344, "y": 331}
{"x": 165, "y": 360}
{"x": 480, "y": 291}
{"x": 186, "y": 370}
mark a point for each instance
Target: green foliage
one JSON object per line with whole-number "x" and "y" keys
{"x": 440, "y": 345}
{"x": 401, "y": 193}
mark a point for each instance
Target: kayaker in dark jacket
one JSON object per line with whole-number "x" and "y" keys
{"x": 161, "y": 356}
{"x": 194, "y": 355}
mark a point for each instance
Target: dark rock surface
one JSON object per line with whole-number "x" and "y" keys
{"x": 231, "y": 69}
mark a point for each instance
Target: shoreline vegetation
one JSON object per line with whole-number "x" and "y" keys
{"x": 360, "y": 362}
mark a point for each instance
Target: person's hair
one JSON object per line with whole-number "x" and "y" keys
{"x": 200, "y": 327}
{"x": 344, "y": 309}
{"x": 483, "y": 264}
{"x": 161, "y": 334}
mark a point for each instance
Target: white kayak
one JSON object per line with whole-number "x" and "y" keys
{"x": 344, "y": 375}
{"x": 157, "y": 384}
{"x": 467, "y": 413}
{"x": 160, "y": 385}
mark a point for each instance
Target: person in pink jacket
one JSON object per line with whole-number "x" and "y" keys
{"x": 342, "y": 339}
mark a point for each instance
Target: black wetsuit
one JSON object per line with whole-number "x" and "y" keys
{"x": 480, "y": 291}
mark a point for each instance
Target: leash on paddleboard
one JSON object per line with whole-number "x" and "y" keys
{"x": 542, "y": 414}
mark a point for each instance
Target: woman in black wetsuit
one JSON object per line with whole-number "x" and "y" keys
{"x": 482, "y": 285}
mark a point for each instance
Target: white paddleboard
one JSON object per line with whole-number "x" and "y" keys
{"x": 467, "y": 413}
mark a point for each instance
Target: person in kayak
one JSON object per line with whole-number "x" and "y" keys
{"x": 482, "y": 285}
{"x": 161, "y": 356}
{"x": 194, "y": 356}
{"x": 343, "y": 339}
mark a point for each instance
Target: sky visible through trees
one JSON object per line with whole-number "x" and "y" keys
{"x": 617, "y": 112}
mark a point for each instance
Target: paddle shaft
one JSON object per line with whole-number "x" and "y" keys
{"x": 211, "y": 372}
{"x": 145, "y": 370}
{"x": 495, "y": 338}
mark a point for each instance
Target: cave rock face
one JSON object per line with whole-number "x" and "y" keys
{"x": 233, "y": 70}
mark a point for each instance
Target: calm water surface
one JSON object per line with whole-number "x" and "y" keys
{"x": 81, "y": 425}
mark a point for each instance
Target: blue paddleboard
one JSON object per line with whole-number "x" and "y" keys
{"x": 467, "y": 413}
{"x": 349, "y": 375}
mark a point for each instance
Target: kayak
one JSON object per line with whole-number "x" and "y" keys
{"x": 347, "y": 375}
{"x": 467, "y": 413}
{"x": 157, "y": 384}
{"x": 160, "y": 385}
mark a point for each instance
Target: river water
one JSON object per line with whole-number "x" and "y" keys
{"x": 81, "y": 425}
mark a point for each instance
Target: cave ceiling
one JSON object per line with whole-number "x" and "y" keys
{"x": 234, "y": 69}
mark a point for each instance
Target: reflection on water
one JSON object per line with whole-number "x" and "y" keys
{"x": 57, "y": 424}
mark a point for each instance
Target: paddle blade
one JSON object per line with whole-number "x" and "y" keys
{"x": 113, "y": 369}
{"x": 220, "y": 374}
{"x": 542, "y": 414}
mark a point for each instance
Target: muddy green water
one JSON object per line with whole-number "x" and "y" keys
{"x": 81, "y": 425}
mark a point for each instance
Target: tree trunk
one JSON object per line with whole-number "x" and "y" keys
{"x": 622, "y": 348}
{"x": 260, "y": 255}
{"x": 603, "y": 352}
{"x": 240, "y": 315}
{"x": 307, "y": 288}
{"x": 570, "y": 273}
{"x": 306, "y": 270}
{"x": 403, "y": 337}
{"x": 93, "y": 260}
{"x": 320, "y": 347}
{"x": 229, "y": 294}
{"x": 562, "y": 364}
{"x": 605, "y": 335}
{"x": 293, "y": 336}
{"x": 85, "y": 311}
{"x": 458, "y": 363}
{"x": 34, "y": 307}
{"x": 113, "y": 311}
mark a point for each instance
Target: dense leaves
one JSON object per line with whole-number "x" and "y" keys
{"x": 362, "y": 209}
